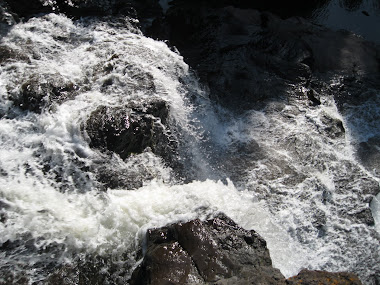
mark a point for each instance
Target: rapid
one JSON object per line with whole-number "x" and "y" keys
{"x": 273, "y": 170}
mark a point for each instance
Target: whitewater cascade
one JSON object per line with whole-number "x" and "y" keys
{"x": 270, "y": 170}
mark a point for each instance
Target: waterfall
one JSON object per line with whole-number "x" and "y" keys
{"x": 281, "y": 170}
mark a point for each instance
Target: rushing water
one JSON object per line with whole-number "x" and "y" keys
{"x": 272, "y": 170}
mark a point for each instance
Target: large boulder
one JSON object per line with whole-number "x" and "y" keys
{"x": 130, "y": 129}
{"x": 216, "y": 250}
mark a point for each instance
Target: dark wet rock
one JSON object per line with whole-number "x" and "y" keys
{"x": 41, "y": 92}
{"x": 358, "y": 189}
{"x": 247, "y": 57}
{"x": 242, "y": 62}
{"x": 333, "y": 127}
{"x": 216, "y": 250}
{"x": 64, "y": 275}
{"x": 349, "y": 91}
{"x": 144, "y": 8}
{"x": 363, "y": 216}
{"x": 26, "y": 8}
{"x": 131, "y": 129}
{"x": 341, "y": 52}
{"x": 115, "y": 178}
{"x": 23, "y": 250}
{"x": 167, "y": 264}
{"x": 7, "y": 18}
{"x": 89, "y": 269}
{"x": 369, "y": 154}
{"x": 365, "y": 13}
{"x": 313, "y": 97}
{"x": 309, "y": 277}
{"x": 87, "y": 273}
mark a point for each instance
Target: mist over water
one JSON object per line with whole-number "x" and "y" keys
{"x": 270, "y": 170}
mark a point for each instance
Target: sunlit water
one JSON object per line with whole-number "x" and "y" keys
{"x": 289, "y": 195}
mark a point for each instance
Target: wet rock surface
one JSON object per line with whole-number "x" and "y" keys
{"x": 132, "y": 132}
{"x": 8, "y": 54}
{"x": 310, "y": 277}
{"x": 86, "y": 271}
{"x": 40, "y": 93}
{"x": 258, "y": 56}
{"x": 131, "y": 129}
{"x": 216, "y": 250}
{"x": 7, "y": 17}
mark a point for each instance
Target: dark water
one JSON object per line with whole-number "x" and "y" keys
{"x": 362, "y": 17}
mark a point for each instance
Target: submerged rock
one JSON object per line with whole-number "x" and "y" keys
{"x": 41, "y": 92}
{"x": 8, "y": 54}
{"x": 241, "y": 60}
